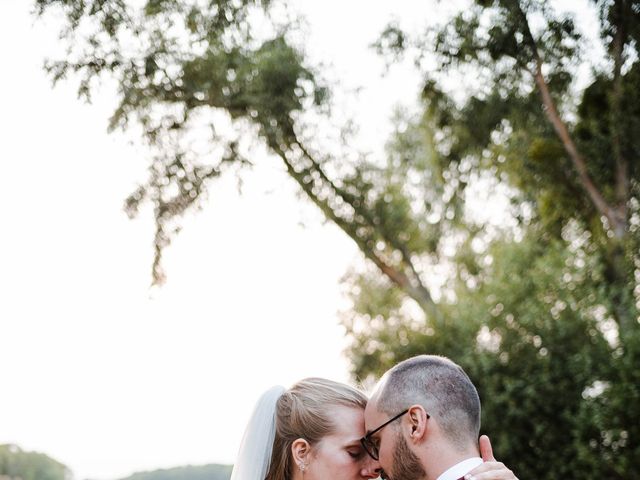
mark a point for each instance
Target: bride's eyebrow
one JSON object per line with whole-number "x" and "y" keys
{"x": 353, "y": 443}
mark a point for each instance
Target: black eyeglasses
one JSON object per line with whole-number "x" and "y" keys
{"x": 369, "y": 445}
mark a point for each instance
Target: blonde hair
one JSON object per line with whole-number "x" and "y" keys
{"x": 303, "y": 412}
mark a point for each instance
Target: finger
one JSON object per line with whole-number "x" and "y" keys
{"x": 489, "y": 466}
{"x": 491, "y": 471}
{"x": 486, "y": 451}
{"x": 505, "y": 474}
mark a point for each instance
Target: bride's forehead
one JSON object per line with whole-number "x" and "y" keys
{"x": 348, "y": 421}
{"x": 346, "y": 411}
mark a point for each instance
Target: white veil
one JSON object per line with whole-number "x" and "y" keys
{"x": 254, "y": 456}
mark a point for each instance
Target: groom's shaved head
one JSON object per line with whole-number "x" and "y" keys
{"x": 442, "y": 388}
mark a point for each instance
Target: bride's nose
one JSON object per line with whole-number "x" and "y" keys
{"x": 371, "y": 468}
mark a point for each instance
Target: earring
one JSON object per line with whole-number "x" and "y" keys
{"x": 301, "y": 466}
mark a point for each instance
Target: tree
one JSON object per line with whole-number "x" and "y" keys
{"x": 584, "y": 169}
{"x": 18, "y": 464}
{"x": 183, "y": 64}
{"x": 542, "y": 308}
{"x": 190, "y": 472}
{"x": 559, "y": 394}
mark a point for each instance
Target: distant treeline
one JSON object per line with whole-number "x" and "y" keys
{"x": 16, "y": 464}
{"x": 203, "y": 472}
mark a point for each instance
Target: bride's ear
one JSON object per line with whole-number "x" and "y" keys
{"x": 300, "y": 449}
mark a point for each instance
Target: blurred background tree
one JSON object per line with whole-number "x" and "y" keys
{"x": 190, "y": 472}
{"x": 16, "y": 464}
{"x": 538, "y": 299}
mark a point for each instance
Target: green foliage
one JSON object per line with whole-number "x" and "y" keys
{"x": 542, "y": 309}
{"x": 541, "y": 349}
{"x": 595, "y": 136}
{"x": 190, "y": 472}
{"x": 16, "y": 464}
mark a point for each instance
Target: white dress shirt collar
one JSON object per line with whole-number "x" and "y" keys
{"x": 459, "y": 470}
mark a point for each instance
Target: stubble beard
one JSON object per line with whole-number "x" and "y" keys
{"x": 406, "y": 464}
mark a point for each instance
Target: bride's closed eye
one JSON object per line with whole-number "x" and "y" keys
{"x": 355, "y": 452}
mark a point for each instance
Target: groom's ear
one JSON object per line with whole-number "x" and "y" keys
{"x": 300, "y": 451}
{"x": 417, "y": 423}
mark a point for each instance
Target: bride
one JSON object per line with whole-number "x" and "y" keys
{"x": 312, "y": 431}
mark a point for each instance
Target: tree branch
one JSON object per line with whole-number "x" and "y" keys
{"x": 411, "y": 286}
{"x": 415, "y": 281}
{"x": 613, "y": 216}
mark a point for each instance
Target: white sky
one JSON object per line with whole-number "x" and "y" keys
{"x": 105, "y": 375}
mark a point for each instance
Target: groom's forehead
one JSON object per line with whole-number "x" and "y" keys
{"x": 379, "y": 388}
{"x": 371, "y": 413}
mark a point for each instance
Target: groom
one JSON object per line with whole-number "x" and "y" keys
{"x": 423, "y": 422}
